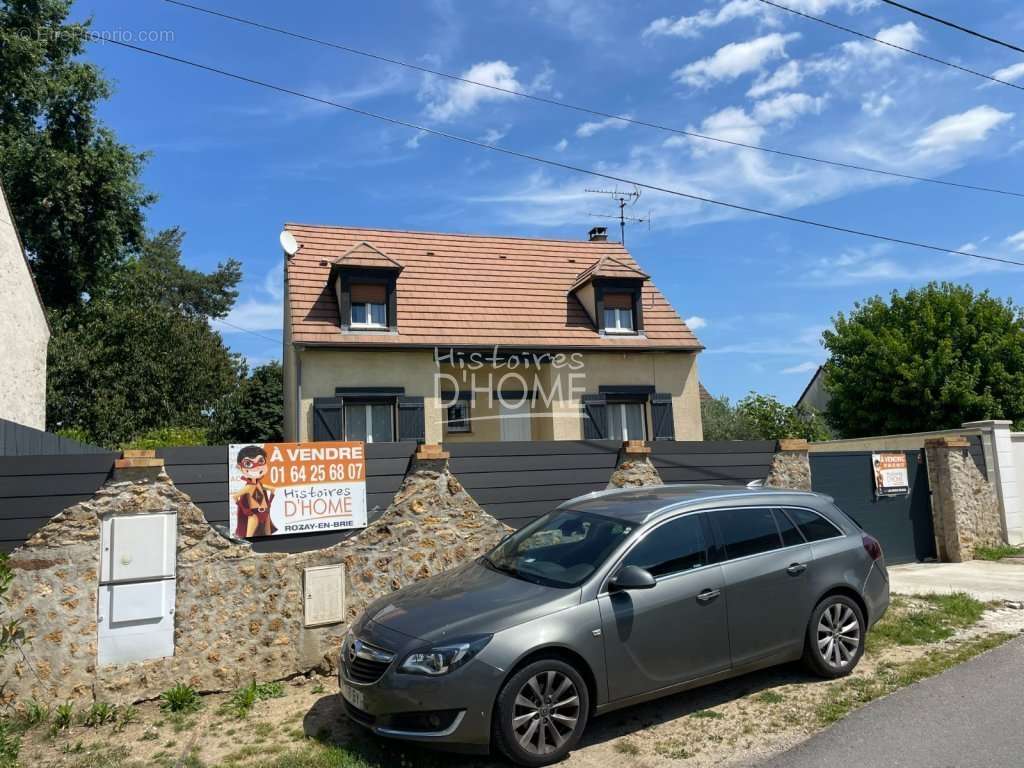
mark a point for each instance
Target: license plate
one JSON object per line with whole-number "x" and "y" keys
{"x": 353, "y": 697}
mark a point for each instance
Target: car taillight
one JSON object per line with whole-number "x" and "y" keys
{"x": 872, "y": 547}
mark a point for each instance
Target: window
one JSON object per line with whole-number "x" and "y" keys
{"x": 369, "y": 306}
{"x": 674, "y": 547}
{"x": 458, "y": 416}
{"x": 791, "y": 536}
{"x": 814, "y": 526}
{"x": 747, "y": 531}
{"x": 560, "y": 549}
{"x": 369, "y": 422}
{"x": 618, "y": 313}
{"x": 626, "y": 421}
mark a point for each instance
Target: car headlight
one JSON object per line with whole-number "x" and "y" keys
{"x": 444, "y": 657}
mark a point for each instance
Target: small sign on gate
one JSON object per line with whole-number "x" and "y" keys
{"x": 891, "y": 476}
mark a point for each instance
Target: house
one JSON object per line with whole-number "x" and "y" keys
{"x": 24, "y": 330}
{"x": 396, "y": 335}
{"x": 815, "y": 397}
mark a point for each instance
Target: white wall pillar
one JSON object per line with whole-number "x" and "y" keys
{"x": 1004, "y": 475}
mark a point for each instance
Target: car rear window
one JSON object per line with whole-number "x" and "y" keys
{"x": 790, "y": 535}
{"x": 814, "y": 526}
{"x": 747, "y": 531}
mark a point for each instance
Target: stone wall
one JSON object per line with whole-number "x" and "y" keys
{"x": 239, "y": 614}
{"x": 791, "y": 467}
{"x": 634, "y": 468}
{"x": 965, "y": 510}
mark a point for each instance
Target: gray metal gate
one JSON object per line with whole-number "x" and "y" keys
{"x": 903, "y": 524}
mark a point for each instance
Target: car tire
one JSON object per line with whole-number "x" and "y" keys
{"x": 556, "y": 696}
{"x": 835, "y": 637}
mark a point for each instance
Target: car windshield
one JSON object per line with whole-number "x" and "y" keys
{"x": 561, "y": 549}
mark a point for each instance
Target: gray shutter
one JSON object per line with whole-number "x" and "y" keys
{"x": 327, "y": 418}
{"x": 595, "y": 417}
{"x": 411, "y": 420}
{"x": 663, "y": 425}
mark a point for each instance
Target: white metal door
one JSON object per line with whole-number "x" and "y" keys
{"x": 515, "y": 419}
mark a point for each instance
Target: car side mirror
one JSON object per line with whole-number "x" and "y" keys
{"x": 632, "y": 577}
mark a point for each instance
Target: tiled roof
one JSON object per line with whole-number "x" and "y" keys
{"x": 466, "y": 290}
{"x": 365, "y": 255}
{"x": 609, "y": 266}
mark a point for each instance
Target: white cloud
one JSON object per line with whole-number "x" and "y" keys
{"x": 786, "y": 76}
{"x": 451, "y": 99}
{"x": 906, "y": 35}
{"x": 806, "y": 367}
{"x": 954, "y": 131}
{"x": 735, "y": 59}
{"x": 254, "y": 315}
{"x": 561, "y": 145}
{"x": 696, "y": 322}
{"x": 692, "y": 26}
{"x": 1010, "y": 74}
{"x": 731, "y": 124}
{"x": 1016, "y": 241}
{"x": 588, "y": 129}
{"x": 414, "y": 142}
{"x": 787, "y": 107}
{"x": 876, "y": 104}
{"x": 493, "y": 135}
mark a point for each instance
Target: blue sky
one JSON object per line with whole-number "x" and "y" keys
{"x": 233, "y": 162}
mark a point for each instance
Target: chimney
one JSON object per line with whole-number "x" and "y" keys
{"x": 598, "y": 234}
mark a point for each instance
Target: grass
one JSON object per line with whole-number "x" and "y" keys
{"x": 180, "y": 698}
{"x": 674, "y": 750}
{"x": 855, "y": 692}
{"x": 708, "y": 714}
{"x": 244, "y": 699}
{"x": 998, "y": 553}
{"x": 942, "y": 616}
{"x": 771, "y": 697}
{"x": 624, "y": 747}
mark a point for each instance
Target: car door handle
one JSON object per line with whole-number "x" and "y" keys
{"x": 707, "y": 595}
{"x": 796, "y": 569}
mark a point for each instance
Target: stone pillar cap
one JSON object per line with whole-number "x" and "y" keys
{"x": 987, "y": 423}
{"x": 793, "y": 444}
{"x": 947, "y": 442}
{"x": 431, "y": 452}
{"x": 635, "y": 447}
{"x": 138, "y": 459}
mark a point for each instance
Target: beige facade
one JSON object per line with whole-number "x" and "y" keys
{"x": 553, "y": 391}
{"x": 24, "y": 331}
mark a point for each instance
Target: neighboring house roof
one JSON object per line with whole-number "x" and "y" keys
{"x": 467, "y": 290}
{"x": 815, "y": 396}
{"x": 365, "y": 255}
{"x": 5, "y": 206}
{"x": 705, "y": 396}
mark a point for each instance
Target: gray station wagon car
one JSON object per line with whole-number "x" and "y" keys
{"x": 613, "y": 598}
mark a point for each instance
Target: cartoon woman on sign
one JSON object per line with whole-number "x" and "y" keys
{"x": 253, "y": 501}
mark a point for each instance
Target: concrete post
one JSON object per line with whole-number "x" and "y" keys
{"x": 1004, "y": 476}
{"x": 791, "y": 466}
{"x": 634, "y": 468}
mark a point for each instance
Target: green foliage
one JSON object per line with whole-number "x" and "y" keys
{"x": 64, "y": 716}
{"x": 931, "y": 359}
{"x": 244, "y": 699}
{"x": 11, "y": 632}
{"x": 180, "y": 698}
{"x": 100, "y": 713}
{"x": 254, "y": 412}
{"x": 998, "y": 553}
{"x": 759, "y": 417}
{"x": 33, "y": 714}
{"x": 166, "y": 437}
{"x": 140, "y": 356}
{"x": 126, "y": 715}
{"x": 942, "y": 615}
{"x": 10, "y": 745}
{"x": 73, "y": 188}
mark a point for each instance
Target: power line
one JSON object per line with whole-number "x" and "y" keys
{"x": 555, "y": 163}
{"x": 954, "y": 25}
{"x": 245, "y": 330}
{"x": 582, "y": 109}
{"x": 937, "y": 60}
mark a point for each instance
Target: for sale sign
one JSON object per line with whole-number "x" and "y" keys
{"x": 288, "y": 488}
{"x": 891, "y": 478}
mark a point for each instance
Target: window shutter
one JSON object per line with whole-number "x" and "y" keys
{"x": 618, "y": 301}
{"x": 327, "y": 418}
{"x": 595, "y": 417}
{"x": 411, "y": 422}
{"x": 661, "y": 417}
{"x": 375, "y": 294}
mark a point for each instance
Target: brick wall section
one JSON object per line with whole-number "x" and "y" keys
{"x": 239, "y": 614}
{"x": 634, "y": 468}
{"x": 790, "y": 467}
{"x": 965, "y": 509}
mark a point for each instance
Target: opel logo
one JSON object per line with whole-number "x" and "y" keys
{"x": 354, "y": 649}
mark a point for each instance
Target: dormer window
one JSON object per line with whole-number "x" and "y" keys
{"x": 369, "y": 306}
{"x": 618, "y": 313}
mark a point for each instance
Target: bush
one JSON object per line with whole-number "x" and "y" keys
{"x": 100, "y": 713}
{"x": 759, "y": 417}
{"x": 167, "y": 437}
{"x": 63, "y": 716}
{"x": 180, "y": 698}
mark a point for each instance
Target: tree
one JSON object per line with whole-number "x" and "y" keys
{"x": 759, "y": 417}
{"x": 140, "y": 355}
{"x": 930, "y": 359}
{"x": 254, "y": 412}
{"x": 73, "y": 188}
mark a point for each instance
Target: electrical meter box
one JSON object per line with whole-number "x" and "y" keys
{"x": 138, "y": 547}
{"x": 324, "y": 587}
{"x": 135, "y": 605}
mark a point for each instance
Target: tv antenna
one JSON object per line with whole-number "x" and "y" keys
{"x": 623, "y": 199}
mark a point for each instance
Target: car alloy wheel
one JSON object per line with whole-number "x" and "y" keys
{"x": 545, "y": 712}
{"x": 838, "y": 635}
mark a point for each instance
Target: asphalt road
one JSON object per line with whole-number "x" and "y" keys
{"x": 968, "y": 717}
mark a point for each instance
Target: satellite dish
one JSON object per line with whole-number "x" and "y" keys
{"x": 289, "y": 243}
